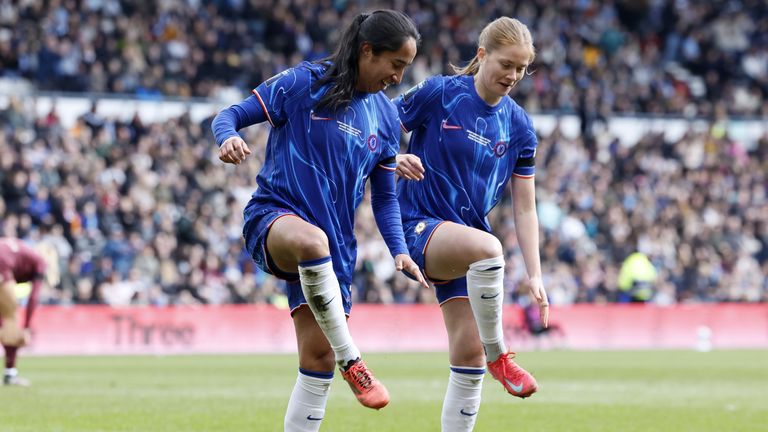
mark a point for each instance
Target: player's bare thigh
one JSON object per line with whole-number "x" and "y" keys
{"x": 454, "y": 247}
{"x": 292, "y": 240}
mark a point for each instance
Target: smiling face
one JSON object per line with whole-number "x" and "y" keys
{"x": 500, "y": 70}
{"x": 377, "y": 71}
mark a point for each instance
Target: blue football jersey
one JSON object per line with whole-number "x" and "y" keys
{"x": 469, "y": 150}
{"x": 317, "y": 162}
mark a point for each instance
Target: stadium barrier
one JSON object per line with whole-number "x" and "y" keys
{"x": 102, "y": 330}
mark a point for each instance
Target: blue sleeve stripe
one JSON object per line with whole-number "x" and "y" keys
{"x": 263, "y": 106}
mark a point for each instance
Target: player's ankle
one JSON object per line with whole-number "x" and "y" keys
{"x": 349, "y": 364}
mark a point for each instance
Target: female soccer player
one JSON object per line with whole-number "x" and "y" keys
{"x": 20, "y": 263}
{"x": 332, "y": 129}
{"x": 472, "y": 138}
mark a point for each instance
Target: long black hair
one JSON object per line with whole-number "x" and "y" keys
{"x": 384, "y": 30}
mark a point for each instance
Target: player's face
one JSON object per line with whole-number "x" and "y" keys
{"x": 502, "y": 68}
{"x": 376, "y": 72}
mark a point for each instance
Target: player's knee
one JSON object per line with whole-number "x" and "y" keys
{"x": 486, "y": 248}
{"x": 311, "y": 244}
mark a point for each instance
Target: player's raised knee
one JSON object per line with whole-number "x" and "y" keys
{"x": 486, "y": 247}
{"x": 311, "y": 244}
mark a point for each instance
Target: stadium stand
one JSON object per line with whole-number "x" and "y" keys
{"x": 142, "y": 212}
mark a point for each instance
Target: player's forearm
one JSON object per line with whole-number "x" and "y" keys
{"x": 32, "y": 302}
{"x": 527, "y": 228}
{"x": 527, "y": 224}
{"x": 7, "y": 301}
{"x": 230, "y": 120}
{"x": 386, "y": 210}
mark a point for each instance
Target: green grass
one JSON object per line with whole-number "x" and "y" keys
{"x": 580, "y": 391}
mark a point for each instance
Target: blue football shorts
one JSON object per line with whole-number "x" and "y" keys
{"x": 258, "y": 220}
{"x": 418, "y": 233}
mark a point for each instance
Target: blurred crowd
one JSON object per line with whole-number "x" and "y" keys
{"x": 607, "y": 56}
{"x": 147, "y": 214}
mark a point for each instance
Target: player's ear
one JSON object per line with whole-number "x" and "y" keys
{"x": 366, "y": 51}
{"x": 481, "y": 53}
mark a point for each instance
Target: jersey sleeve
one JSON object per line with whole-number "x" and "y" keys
{"x": 525, "y": 165}
{"x": 415, "y": 106}
{"x": 277, "y": 94}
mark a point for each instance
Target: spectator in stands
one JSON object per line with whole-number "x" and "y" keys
{"x": 333, "y": 128}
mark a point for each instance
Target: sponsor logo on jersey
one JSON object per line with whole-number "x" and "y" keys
{"x": 447, "y": 126}
{"x": 476, "y": 137}
{"x": 349, "y": 129}
{"x": 316, "y": 117}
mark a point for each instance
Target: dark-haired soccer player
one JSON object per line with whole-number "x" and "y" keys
{"x": 472, "y": 139}
{"x": 20, "y": 263}
{"x": 332, "y": 130}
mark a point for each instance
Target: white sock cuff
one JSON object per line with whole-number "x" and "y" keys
{"x": 315, "y": 271}
{"x": 488, "y": 264}
{"x": 316, "y": 383}
{"x": 468, "y": 370}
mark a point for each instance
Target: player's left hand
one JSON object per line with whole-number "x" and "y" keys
{"x": 536, "y": 287}
{"x": 403, "y": 262}
{"x": 409, "y": 167}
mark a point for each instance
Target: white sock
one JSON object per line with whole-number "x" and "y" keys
{"x": 11, "y": 372}
{"x": 462, "y": 399}
{"x": 306, "y": 407}
{"x": 485, "y": 285}
{"x": 321, "y": 289}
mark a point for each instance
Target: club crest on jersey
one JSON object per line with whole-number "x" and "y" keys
{"x": 420, "y": 227}
{"x": 373, "y": 142}
{"x": 500, "y": 148}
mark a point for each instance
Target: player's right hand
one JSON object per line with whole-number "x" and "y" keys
{"x": 12, "y": 335}
{"x": 409, "y": 167}
{"x": 233, "y": 150}
{"x": 404, "y": 263}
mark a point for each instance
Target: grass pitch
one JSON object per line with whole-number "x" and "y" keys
{"x": 580, "y": 391}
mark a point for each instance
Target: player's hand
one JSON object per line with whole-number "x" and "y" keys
{"x": 403, "y": 262}
{"x": 536, "y": 287}
{"x": 233, "y": 150}
{"x": 409, "y": 167}
{"x": 12, "y": 335}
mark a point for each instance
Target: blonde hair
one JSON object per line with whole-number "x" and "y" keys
{"x": 500, "y": 32}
